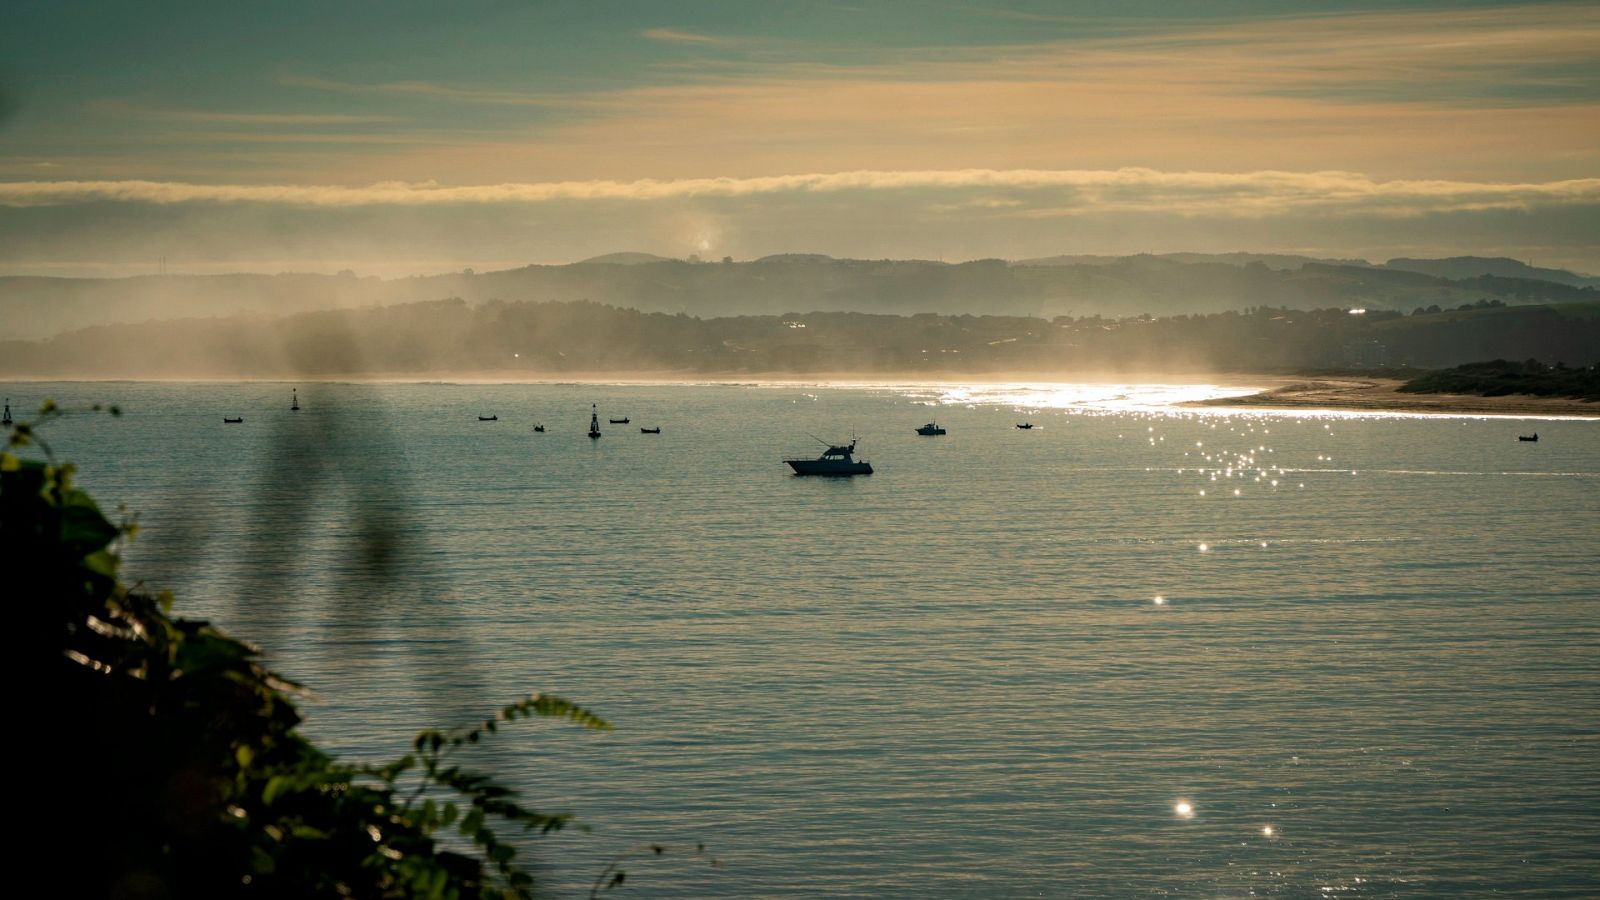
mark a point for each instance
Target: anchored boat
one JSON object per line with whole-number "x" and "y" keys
{"x": 836, "y": 460}
{"x": 930, "y": 429}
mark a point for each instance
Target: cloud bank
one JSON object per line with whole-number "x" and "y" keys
{"x": 1053, "y": 192}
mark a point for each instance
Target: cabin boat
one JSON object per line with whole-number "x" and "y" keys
{"x": 621, "y": 421}
{"x": 493, "y": 418}
{"x": 539, "y": 428}
{"x": 836, "y": 460}
{"x": 594, "y": 420}
{"x": 1528, "y": 437}
{"x": 929, "y": 430}
{"x": 228, "y": 421}
{"x": 1024, "y": 425}
{"x": 655, "y": 430}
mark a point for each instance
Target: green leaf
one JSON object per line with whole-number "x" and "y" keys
{"x": 276, "y": 785}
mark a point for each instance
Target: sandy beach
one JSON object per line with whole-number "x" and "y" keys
{"x": 1382, "y": 395}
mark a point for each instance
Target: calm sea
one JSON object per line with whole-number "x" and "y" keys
{"x": 1373, "y": 670}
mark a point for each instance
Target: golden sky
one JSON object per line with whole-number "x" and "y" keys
{"x": 323, "y": 139}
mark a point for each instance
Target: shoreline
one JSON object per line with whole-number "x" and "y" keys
{"x": 1381, "y": 395}
{"x": 1271, "y": 392}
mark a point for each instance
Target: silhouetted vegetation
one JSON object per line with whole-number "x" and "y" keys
{"x": 1498, "y": 378}
{"x": 166, "y": 760}
{"x": 552, "y": 339}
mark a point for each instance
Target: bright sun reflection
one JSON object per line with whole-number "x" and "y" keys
{"x": 1184, "y": 809}
{"x": 1268, "y": 830}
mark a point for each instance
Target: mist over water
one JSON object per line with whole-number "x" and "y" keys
{"x": 1010, "y": 663}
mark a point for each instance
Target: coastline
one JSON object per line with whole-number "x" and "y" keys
{"x": 1250, "y": 391}
{"x": 1381, "y": 395}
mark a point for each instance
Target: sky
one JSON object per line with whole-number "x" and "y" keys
{"x": 405, "y": 137}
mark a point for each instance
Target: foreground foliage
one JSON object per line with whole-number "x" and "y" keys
{"x": 168, "y": 762}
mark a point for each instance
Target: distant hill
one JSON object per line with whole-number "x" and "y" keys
{"x": 446, "y": 337}
{"x": 1168, "y": 284}
{"x": 1279, "y": 261}
{"x": 622, "y": 259}
{"x": 1459, "y": 267}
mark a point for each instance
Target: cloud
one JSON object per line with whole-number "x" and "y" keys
{"x": 430, "y": 90}
{"x": 678, "y": 36}
{"x": 1043, "y": 192}
{"x": 1450, "y": 94}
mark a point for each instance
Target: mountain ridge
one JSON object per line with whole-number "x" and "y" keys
{"x": 1159, "y": 284}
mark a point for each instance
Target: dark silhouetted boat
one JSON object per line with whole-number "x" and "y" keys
{"x": 621, "y": 421}
{"x": 228, "y": 421}
{"x": 836, "y": 460}
{"x": 294, "y": 403}
{"x": 1528, "y": 437}
{"x": 539, "y": 428}
{"x": 1024, "y": 425}
{"x": 655, "y": 430}
{"x": 594, "y": 420}
{"x": 494, "y": 418}
{"x": 929, "y": 430}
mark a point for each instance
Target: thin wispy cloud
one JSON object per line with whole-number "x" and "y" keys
{"x": 679, "y": 36}
{"x": 125, "y": 109}
{"x": 429, "y": 90}
{"x": 1262, "y": 193}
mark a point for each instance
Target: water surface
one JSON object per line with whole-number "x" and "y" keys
{"x": 949, "y": 679}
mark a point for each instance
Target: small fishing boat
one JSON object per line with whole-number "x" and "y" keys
{"x": 493, "y": 418}
{"x": 929, "y": 430}
{"x": 294, "y": 402}
{"x": 655, "y": 430}
{"x": 594, "y": 421}
{"x": 836, "y": 460}
{"x": 1528, "y": 437}
{"x": 539, "y": 428}
{"x": 228, "y": 421}
{"x": 621, "y": 421}
{"x": 1024, "y": 425}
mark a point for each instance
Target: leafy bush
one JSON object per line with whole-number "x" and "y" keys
{"x": 166, "y": 761}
